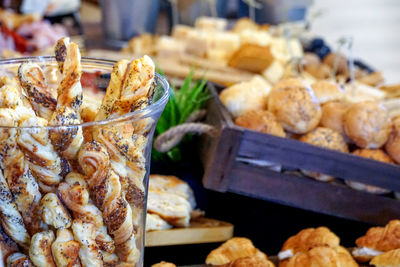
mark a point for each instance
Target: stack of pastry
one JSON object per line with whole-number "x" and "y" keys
{"x": 315, "y": 247}
{"x": 380, "y": 246}
{"x": 170, "y": 203}
{"x": 323, "y": 114}
{"x": 73, "y": 195}
{"x": 238, "y": 252}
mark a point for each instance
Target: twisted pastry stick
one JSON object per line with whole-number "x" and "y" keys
{"x": 44, "y": 162}
{"x": 7, "y": 246}
{"x": 11, "y": 219}
{"x": 68, "y": 139}
{"x": 40, "y": 249}
{"x": 54, "y": 213}
{"x": 32, "y": 80}
{"x": 89, "y": 252}
{"x": 19, "y": 260}
{"x": 105, "y": 185}
{"x": 65, "y": 249}
{"x": 75, "y": 195}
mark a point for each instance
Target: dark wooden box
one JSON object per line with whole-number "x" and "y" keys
{"x": 226, "y": 170}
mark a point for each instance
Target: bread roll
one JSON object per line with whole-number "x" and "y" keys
{"x": 246, "y": 96}
{"x": 367, "y": 124}
{"x": 319, "y": 71}
{"x": 393, "y": 144}
{"x": 332, "y": 116}
{"x": 375, "y": 154}
{"x": 251, "y": 57}
{"x": 295, "y": 106}
{"x": 326, "y": 138}
{"x": 327, "y": 91}
{"x": 261, "y": 121}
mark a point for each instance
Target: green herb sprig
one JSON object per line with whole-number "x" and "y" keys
{"x": 190, "y": 97}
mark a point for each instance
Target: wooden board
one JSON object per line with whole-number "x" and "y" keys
{"x": 222, "y": 158}
{"x": 201, "y": 230}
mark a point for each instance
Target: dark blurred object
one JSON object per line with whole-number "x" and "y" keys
{"x": 11, "y": 4}
{"x": 124, "y": 19}
{"x": 277, "y": 11}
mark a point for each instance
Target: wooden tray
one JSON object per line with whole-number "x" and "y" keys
{"x": 225, "y": 171}
{"x": 201, "y": 230}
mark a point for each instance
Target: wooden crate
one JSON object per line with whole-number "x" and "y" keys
{"x": 225, "y": 171}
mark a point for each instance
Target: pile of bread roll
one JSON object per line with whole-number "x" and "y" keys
{"x": 323, "y": 113}
{"x": 315, "y": 247}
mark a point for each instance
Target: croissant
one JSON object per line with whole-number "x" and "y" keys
{"x": 65, "y": 249}
{"x": 321, "y": 257}
{"x": 106, "y": 188}
{"x": 19, "y": 260}
{"x": 308, "y": 239}
{"x": 68, "y": 139}
{"x": 32, "y": 80}
{"x": 89, "y": 252}
{"x": 388, "y": 259}
{"x": 75, "y": 195}
{"x": 40, "y": 249}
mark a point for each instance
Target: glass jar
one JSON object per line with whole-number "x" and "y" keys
{"x": 88, "y": 208}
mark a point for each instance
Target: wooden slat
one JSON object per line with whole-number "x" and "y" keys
{"x": 295, "y": 154}
{"x": 305, "y": 193}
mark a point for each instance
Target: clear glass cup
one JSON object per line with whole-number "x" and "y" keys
{"x": 98, "y": 204}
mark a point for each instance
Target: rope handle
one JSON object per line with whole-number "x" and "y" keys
{"x": 170, "y": 138}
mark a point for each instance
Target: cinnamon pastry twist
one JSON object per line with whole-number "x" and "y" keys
{"x": 68, "y": 139}
{"x": 32, "y": 80}
{"x": 75, "y": 195}
{"x": 106, "y": 188}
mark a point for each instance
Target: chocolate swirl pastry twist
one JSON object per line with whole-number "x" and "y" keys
{"x": 73, "y": 191}
{"x": 68, "y": 140}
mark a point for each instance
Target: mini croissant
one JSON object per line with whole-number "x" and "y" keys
{"x": 388, "y": 259}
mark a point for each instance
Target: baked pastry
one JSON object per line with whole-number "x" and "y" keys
{"x": 321, "y": 257}
{"x": 261, "y": 121}
{"x": 246, "y": 96}
{"x": 65, "y": 249}
{"x": 251, "y": 57}
{"x": 40, "y": 249}
{"x": 163, "y": 264}
{"x": 307, "y": 239}
{"x": 318, "y": 71}
{"x": 388, "y": 259}
{"x": 155, "y": 222}
{"x": 91, "y": 103}
{"x": 393, "y": 144}
{"x": 7, "y": 246}
{"x": 378, "y": 240}
{"x": 327, "y": 91}
{"x": 332, "y": 116}
{"x": 342, "y": 66}
{"x": 173, "y": 185}
{"x": 18, "y": 259}
{"x": 244, "y": 24}
{"x": 210, "y": 24}
{"x": 295, "y": 106}
{"x": 326, "y": 138}
{"x": 250, "y": 262}
{"x": 375, "y": 154}
{"x": 233, "y": 249}
{"x": 367, "y": 124}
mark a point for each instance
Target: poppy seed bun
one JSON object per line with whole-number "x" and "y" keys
{"x": 326, "y": 138}
{"x": 327, "y": 91}
{"x": 332, "y": 115}
{"x": 367, "y": 124}
{"x": 393, "y": 144}
{"x": 295, "y": 106}
{"x": 375, "y": 154}
{"x": 261, "y": 121}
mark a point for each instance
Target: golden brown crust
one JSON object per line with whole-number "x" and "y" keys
{"x": 393, "y": 145}
{"x": 367, "y": 124}
{"x": 326, "y": 138}
{"x": 388, "y": 259}
{"x": 332, "y": 116}
{"x": 342, "y": 66}
{"x": 327, "y": 91}
{"x": 7, "y": 245}
{"x": 309, "y": 238}
{"x": 295, "y": 106}
{"x": 250, "y": 262}
{"x": 321, "y": 257}
{"x": 231, "y": 250}
{"x": 382, "y": 238}
{"x": 261, "y": 121}
{"x": 163, "y": 264}
{"x": 251, "y": 57}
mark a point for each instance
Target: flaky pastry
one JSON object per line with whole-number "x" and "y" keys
{"x": 261, "y": 121}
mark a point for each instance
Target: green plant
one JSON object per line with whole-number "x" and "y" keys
{"x": 183, "y": 102}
